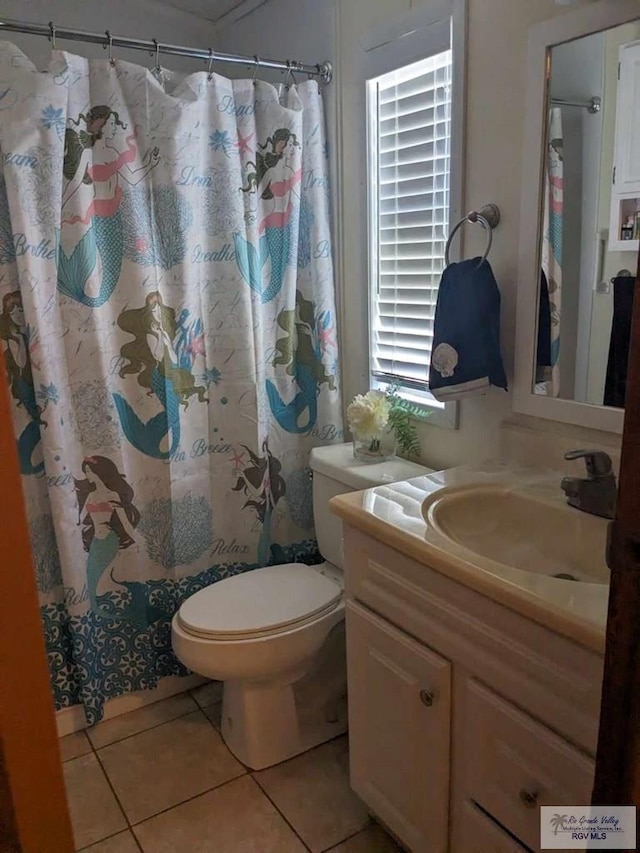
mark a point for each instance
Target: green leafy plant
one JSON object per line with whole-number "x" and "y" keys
{"x": 372, "y": 414}
{"x": 401, "y": 419}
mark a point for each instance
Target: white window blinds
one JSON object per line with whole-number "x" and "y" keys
{"x": 409, "y": 112}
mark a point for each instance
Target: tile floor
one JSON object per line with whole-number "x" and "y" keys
{"x": 161, "y": 780}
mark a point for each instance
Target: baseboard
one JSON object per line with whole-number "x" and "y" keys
{"x": 69, "y": 720}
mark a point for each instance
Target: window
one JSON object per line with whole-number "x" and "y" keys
{"x": 393, "y": 134}
{"x": 409, "y": 148}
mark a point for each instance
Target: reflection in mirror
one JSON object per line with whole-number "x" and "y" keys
{"x": 590, "y": 217}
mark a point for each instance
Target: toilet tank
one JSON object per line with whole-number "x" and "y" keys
{"x": 335, "y": 472}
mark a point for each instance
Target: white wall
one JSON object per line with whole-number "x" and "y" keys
{"x": 286, "y": 29}
{"x": 496, "y": 81}
{"x": 137, "y": 18}
{"x": 314, "y": 30}
{"x": 495, "y": 97}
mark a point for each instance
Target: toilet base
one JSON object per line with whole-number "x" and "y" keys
{"x": 265, "y": 723}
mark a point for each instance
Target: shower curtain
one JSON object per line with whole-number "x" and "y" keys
{"x": 167, "y": 322}
{"x": 552, "y": 237}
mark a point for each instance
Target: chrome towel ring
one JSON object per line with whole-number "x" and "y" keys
{"x": 488, "y": 216}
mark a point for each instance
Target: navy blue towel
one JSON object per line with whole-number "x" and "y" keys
{"x": 615, "y": 388}
{"x": 466, "y": 356}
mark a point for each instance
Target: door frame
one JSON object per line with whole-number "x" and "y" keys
{"x": 34, "y": 816}
{"x": 617, "y": 780}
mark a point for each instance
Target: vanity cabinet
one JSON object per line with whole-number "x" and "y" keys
{"x": 464, "y": 715}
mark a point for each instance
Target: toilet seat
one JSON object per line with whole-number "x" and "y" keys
{"x": 259, "y": 603}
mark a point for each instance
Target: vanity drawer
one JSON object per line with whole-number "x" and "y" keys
{"x": 512, "y": 764}
{"x": 474, "y": 832}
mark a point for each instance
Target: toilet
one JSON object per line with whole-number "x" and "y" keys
{"x": 275, "y": 636}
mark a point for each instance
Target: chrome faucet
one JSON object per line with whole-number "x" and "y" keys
{"x": 597, "y": 492}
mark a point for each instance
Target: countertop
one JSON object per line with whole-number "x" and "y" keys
{"x": 392, "y": 514}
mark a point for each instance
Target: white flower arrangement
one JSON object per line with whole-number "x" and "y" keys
{"x": 370, "y": 415}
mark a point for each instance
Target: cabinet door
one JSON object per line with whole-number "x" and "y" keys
{"x": 399, "y": 729}
{"x": 627, "y": 122}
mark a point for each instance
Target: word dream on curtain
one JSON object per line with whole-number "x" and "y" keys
{"x": 168, "y": 326}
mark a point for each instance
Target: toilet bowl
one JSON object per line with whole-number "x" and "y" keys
{"x": 259, "y": 633}
{"x": 275, "y": 635}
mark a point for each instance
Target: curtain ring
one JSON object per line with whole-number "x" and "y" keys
{"x": 52, "y": 35}
{"x": 157, "y": 68}
{"x": 212, "y": 57}
{"x": 109, "y": 45}
{"x": 289, "y": 77}
{"x": 257, "y": 61}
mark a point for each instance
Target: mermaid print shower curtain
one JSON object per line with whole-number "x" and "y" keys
{"x": 552, "y": 241}
{"x": 167, "y": 322}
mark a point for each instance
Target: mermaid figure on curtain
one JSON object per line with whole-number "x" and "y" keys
{"x": 17, "y": 358}
{"x": 307, "y": 339}
{"x": 263, "y": 485}
{"x": 95, "y": 156}
{"x": 276, "y": 180}
{"x": 162, "y": 356}
{"x": 108, "y": 527}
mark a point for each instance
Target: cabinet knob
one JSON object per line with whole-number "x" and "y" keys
{"x": 427, "y": 697}
{"x": 529, "y": 798}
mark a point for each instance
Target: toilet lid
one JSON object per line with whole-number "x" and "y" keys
{"x": 259, "y": 602}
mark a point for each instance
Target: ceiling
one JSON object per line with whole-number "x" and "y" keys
{"x": 215, "y": 10}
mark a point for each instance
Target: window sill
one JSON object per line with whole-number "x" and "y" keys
{"x": 424, "y": 408}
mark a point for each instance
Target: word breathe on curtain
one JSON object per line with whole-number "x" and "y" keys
{"x": 167, "y": 321}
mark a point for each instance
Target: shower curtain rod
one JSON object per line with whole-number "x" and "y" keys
{"x": 323, "y": 70}
{"x": 593, "y": 105}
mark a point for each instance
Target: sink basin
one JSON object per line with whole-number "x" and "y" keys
{"x": 503, "y": 528}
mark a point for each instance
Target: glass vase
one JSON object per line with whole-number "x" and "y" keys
{"x": 374, "y": 449}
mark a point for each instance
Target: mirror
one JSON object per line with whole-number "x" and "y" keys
{"x": 578, "y": 228}
{"x": 589, "y": 217}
